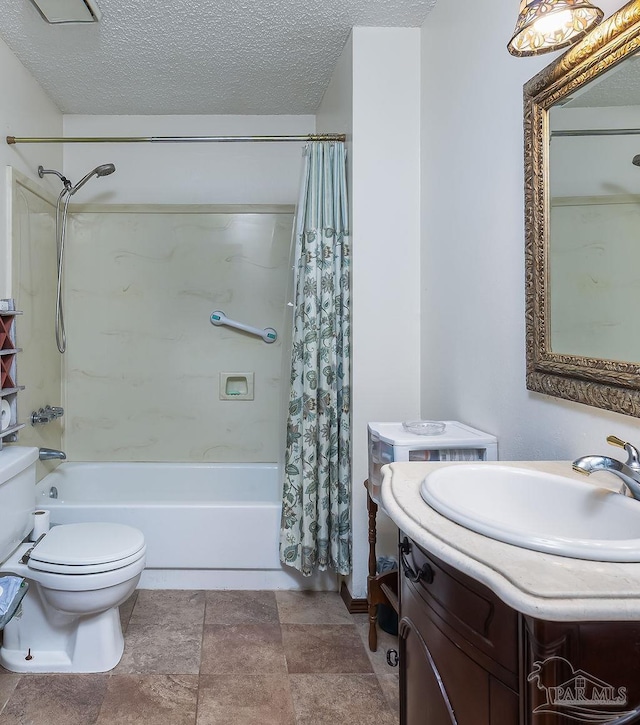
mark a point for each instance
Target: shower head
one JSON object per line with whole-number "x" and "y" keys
{"x": 102, "y": 170}
{"x": 636, "y": 160}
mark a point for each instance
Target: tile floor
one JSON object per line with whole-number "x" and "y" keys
{"x": 228, "y": 657}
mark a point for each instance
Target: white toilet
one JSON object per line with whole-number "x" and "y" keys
{"x": 78, "y": 576}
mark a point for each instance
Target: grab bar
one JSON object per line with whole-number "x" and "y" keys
{"x": 268, "y": 334}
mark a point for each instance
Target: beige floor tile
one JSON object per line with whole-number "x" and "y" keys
{"x": 240, "y": 607}
{"x": 246, "y": 649}
{"x": 8, "y": 684}
{"x": 55, "y": 700}
{"x": 158, "y": 649}
{"x": 390, "y": 685}
{"x": 312, "y": 608}
{"x": 324, "y": 648}
{"x": 385, "y": 642}
{"x": 150, "y": 700}
{"x": 250, "y": 700}
{"x": 338, "y": 699}
{"x": 243, "y": 655}
{"x": 169, "y": 608}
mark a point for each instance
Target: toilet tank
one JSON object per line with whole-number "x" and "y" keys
{"x": 17, "y": 496}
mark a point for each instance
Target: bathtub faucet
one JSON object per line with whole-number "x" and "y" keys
{"x": 46, "y": 414}
{"x": 50, "y": 454}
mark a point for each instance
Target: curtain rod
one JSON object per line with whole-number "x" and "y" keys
{"x": 11, "y": 140}
{"x": 597, "y": 132}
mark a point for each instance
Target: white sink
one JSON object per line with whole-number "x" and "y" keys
{"x": 537, "y": 510}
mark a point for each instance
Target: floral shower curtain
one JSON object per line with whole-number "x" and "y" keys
{"x": 316, "y": 512}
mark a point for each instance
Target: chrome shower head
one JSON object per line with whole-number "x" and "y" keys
{"x": 636, "y": 160}
{"x": 102, "y": 170}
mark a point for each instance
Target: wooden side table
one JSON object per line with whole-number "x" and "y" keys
{"x": 381, "y": 588}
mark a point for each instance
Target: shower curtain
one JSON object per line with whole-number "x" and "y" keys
{"x": 316, "y": 511}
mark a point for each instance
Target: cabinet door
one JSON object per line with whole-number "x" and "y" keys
{"x": 423, "y": 697}
{"x": 439, "y": 683}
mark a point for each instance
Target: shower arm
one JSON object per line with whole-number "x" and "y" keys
{"x": 67, "y": 184}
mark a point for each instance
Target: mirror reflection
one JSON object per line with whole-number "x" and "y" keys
{"x": 594, "y": 214}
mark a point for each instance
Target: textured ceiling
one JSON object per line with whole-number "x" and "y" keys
{"x": 196, "y": 56}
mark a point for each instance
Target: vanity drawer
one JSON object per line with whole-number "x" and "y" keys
{"x": 468, "y": 607}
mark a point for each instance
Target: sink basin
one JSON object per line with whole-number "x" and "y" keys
{"x": 537, "y": 510}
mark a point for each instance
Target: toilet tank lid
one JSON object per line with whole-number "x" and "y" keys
{"x": 15, "y": 459}
{"x": 88, "y": 543}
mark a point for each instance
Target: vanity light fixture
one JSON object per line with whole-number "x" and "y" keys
{"x": 68, "y": 11}
{"x": 546, "y": 25}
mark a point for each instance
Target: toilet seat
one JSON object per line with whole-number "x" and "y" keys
{"x": 87, "y": 548}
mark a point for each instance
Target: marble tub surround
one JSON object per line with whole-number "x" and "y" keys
{"x": 547, "y": 586}
{"x": 143, "y": 363}
{"x": 34, "y": 287}
{"x": 227, "y": 657}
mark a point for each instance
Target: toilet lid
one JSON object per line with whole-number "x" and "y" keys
{"x": 87, "y": 545}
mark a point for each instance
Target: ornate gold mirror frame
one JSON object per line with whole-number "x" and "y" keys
{"x": 610, "y": 384}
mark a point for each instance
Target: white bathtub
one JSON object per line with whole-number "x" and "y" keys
{"x": 207, "y": 526}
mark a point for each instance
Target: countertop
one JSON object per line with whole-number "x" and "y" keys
{"x": 545, "y": 586}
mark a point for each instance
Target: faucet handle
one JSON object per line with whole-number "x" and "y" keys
{"x": 633, "y": 460}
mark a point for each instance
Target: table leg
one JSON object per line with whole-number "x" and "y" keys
{"x": 372, "y": 509}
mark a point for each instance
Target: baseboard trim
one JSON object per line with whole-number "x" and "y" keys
{"x": 355, "y": 606}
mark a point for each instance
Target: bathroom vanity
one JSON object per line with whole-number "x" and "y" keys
{"x": 495, "y": 634}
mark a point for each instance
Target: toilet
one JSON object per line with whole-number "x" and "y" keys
{"x": 78, "y": 576}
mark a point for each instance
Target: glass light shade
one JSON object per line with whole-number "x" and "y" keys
{"x": 546, "y": 25}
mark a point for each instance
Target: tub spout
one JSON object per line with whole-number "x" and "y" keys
{"x": 50, "y": 454}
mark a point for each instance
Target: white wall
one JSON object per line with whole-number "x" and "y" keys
{"x": 27, "y": 262}
{"x": 382, "y": 79}
{"x": 39, "y": 365}
{"x": 188, "y": 173}
{"x": 25, "y": 111}
{"x": 473, "y": 336}
{"x": 335, "y": 114}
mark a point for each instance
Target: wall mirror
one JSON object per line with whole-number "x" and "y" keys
{"x": 582, "y": 219}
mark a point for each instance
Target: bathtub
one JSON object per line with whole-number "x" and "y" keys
{"x": 206, "y": 525}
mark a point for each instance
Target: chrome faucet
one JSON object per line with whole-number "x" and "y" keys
{"x": 50, "y": 454}
{"x": 46, "y": 414}
{"x": 628, "y": 473}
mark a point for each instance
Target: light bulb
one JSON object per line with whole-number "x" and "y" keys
{"x": 553, "y": 22}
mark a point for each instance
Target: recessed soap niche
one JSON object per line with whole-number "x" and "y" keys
{"x": 236, "y": 386}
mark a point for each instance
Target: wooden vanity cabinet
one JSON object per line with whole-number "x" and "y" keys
{"x": 458, "y": 647}
{"x": 465, "y": 655}
{"x": 606, "y": 651}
